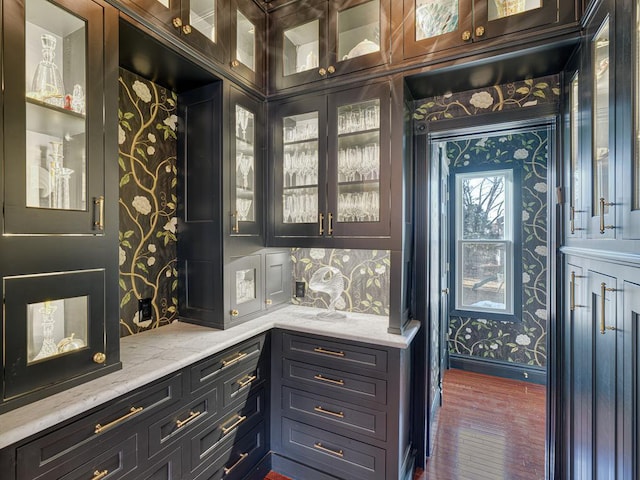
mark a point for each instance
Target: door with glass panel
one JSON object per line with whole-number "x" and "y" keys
{"x": 247, "y": 39}
{"x": 493, "y": 18}
{"x": 54, "y": 163}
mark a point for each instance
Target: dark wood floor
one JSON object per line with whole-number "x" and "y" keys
{"x": 489, "y": 428}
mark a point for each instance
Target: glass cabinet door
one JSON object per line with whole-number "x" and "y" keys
{"x": 163, "y": 10}
{"x": 53, "y": 115}
{"x": 245, "y": 285}
{"x": 246, "y": 166}
{"x": 201, "y": 24}
{"x": 247, "y": 40}
{"x": 576, "y": 208}
{"x": 493, "y": 18}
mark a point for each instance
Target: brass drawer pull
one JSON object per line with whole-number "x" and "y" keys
{"x": 603, "y": 307}
{"x": 328, "y": 352}
{"x": 228, "y": 470}
{"x": 97, "y": 475}
{"x": 337, "y": 453}
{"x": 134, "y": 410}
{"x": 239, "y": 420}
{"x": 192, "y": 415}
{"x": 246, "y": 380}
{"x": 328, "y": 380}
{"x": 328, "y": 412}
{"x": 233, "y": 361}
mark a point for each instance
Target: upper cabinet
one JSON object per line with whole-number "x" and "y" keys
{"x": 314, "y": 40}
{"x": 331, "y": 168}
{"x": 247, "y": 39}
{"x": 433, "y": 25}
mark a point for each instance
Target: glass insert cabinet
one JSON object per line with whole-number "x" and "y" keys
{"x": 336, "y": 185}
{"x": 58, "y": 244}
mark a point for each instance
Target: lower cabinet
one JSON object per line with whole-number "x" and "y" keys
{"x": 343, "y": 409}
{"x": 207, "y": 421}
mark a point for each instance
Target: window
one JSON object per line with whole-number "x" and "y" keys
{"x": 484, "y": 231}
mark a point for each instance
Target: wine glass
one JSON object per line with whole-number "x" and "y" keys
{"x": 243, "y": 121}
{"x": 245, "y": 163}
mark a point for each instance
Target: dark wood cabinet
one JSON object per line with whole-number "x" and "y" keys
{"x": 58, "y": 251}
{"x": 313, "y": 40}
{"x": 331, "y": 168}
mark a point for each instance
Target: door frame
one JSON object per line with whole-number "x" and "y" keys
{"x": 546, "y": 116}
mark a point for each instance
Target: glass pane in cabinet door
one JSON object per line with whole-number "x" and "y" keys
{"x": 245, "y": 286}
{"x": 56, "y": 327}
{"x": 576, "y": 200}
{"x": 300, "y": 168}
{"x": 55, "y": 60}
{"x": 600, "y": 166}
{"x": 202, "y": 17}
{"x": 301, "y": 47}
{"x": 359, "y": 30}
{"x": 245, "y": 164}
{"x": 436, "y": 17}
{"x": 636, "y": 161}
{"x": 359, "y": 162}
{"x": 245, "y": 42}
{"x": 164, "y": 3}
{"x": 506, "y": 8}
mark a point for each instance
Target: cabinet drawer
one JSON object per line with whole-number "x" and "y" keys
{"x": 169, "y": 468}
{"x": 171, "y": 427}
{"x": 206, "y": 443}
{"x": 69, "y": 443}
{"x": 330, "y": 414}
{"x": 331, "y": 453}
{"x": 333, "y": 354}
{"x": 335, "y": 383}
{"x": 235, "y": 461}
{"x": 241, "y": 384}
{"x": 245, "y": 354}
{"x": 112, "y": 464}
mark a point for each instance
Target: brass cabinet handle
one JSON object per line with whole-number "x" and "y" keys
{"x": 479, "y": 31}
{"x": 192, "y": 415}
{"x": 330, "y": 230}
{"x": 603, "y": 309}
{"x": 328, "y": 412}
{"x": 99, "y": 358}
{"x": 322, "y": 72}
{"x": 328, "y": 380}
{"x": 603, "y": 204}
{"x": 329, "y": 352}
{"x": 239, "y": 420}
{"x": 268, "y": 301}
{"x": 234, "y": 360}
{"x": 177, "y": 22}
{"x": 234, "y": 313}
{"x": 134, "y": 410}
{"x": 186, "y": 29}
{"x": 99, "y": 203}
{"x": 235, "y": 63}
{"x": 466, "y": 35}
{"x": 246, "y": 380}
{"x": 236, "y": 222}
{"x": 228, "y": 470}
{"x": 331, "y": 69}
{"x": 572, "y": 291}
{"x": 321, "y": 224}
{"x": 97, "y": 474}
{"x": 337, "y": 453}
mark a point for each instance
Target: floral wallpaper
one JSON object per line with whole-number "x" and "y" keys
{"x": 365, "y": 276}
{"x": 148, "y": 177}
{"x": 518, "y": 342}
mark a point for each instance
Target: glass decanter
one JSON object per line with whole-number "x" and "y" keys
{"x": 47, "y": 82}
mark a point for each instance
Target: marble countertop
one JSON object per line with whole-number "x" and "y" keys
{"x": 156, "y": 353}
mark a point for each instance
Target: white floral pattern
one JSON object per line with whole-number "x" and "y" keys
{"x": 141, "y": 204}
{"x": 481, "y": 99}
{"x": 142, "y": 90}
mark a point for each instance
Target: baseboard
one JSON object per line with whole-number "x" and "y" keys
{"x": 296, "y": 471}
{"x": 526, "y": 373}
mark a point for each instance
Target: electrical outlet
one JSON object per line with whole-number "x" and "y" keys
{"x": 144, "y": 307}
{"x": 300, "y": 289}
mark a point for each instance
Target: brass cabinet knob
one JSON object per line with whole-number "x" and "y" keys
{"x": 177, "y": 22}
{"x": 186, "y": 29}
{"x": 235, "y": 63}
{"x": 268, "y": 301}
{"x": 331, "y": 69}
{"x": 479, "y": 31}
{"x": 466, "y": 35}
{"x": 235, "y": 313}
{"x": 99, "y": 358}
{"x": 322, "y": 72}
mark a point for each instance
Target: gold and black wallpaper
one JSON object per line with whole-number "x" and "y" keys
{"x": 148, "y": 177}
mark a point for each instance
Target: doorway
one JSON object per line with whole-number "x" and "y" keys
{"x": 489, "y": 269}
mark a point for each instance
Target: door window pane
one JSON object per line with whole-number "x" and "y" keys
{"x": 483, "y": 207}
{"x": 483, "y": 276}
{"x": 435, "y": 17}
{"x": 245, "y": 41}
{"x": 506, "y": 8}
{"x": 202, "y": 17}
{"x": 301, "y": 48}
{"x": 359, "y": 30}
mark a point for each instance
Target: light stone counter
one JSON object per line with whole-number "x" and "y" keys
{"x": 153, "y": 354}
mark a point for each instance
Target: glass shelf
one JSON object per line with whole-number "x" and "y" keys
{"x": 52, "y": 120}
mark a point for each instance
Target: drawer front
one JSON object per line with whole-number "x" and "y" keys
{"x": 335, "y": 383}
{"x": 171, "y": 427}
{"x": 69, "y": 443}
{"x": 206, "y": 443}
{"x": 169, "y": 468}
{"x": 246, "y": 354}
{"x": 235, "y": 461}
{"x": 333, "y": 354}
{"x": 331, "y": 453}
{"x": 242, "y": 383}
{"x": 113, "y": 464}
{"x": 330, "y": 414}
